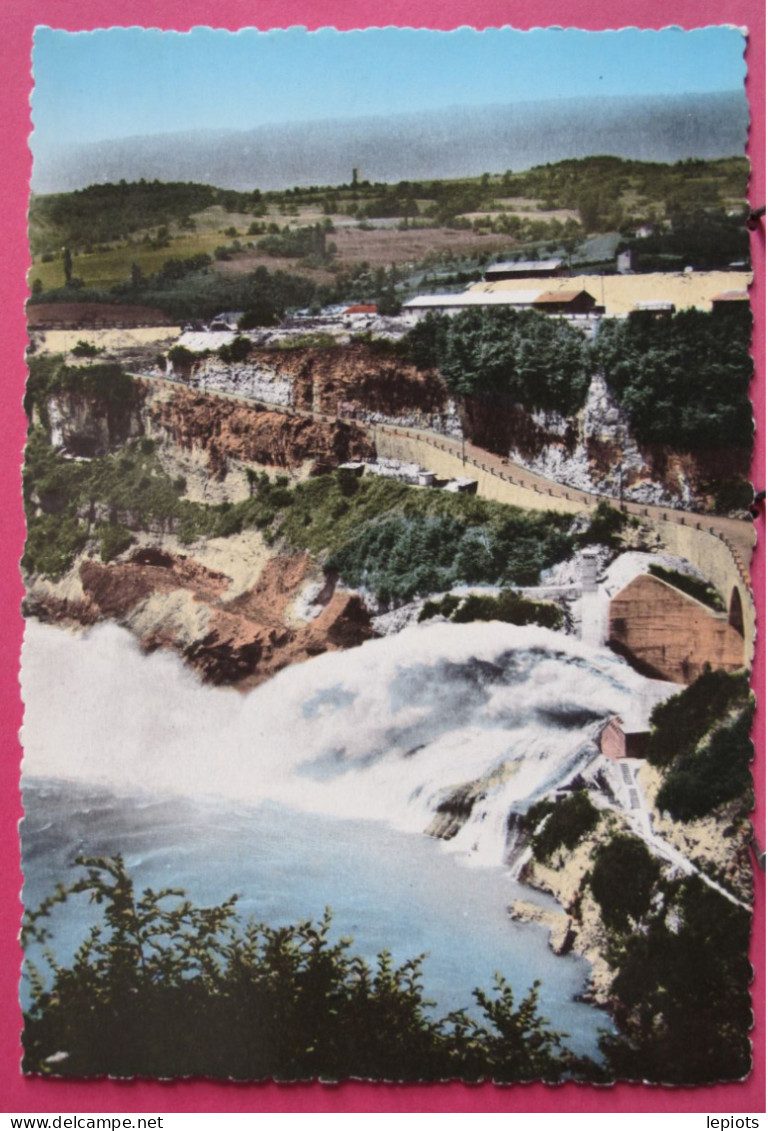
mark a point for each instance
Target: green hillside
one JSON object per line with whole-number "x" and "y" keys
{"x": 435, "y": 233}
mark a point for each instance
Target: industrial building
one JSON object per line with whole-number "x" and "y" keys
{"x": 589, "y": 296}
{"x": 526, "y": 269}
{"x": 572, "y": 300}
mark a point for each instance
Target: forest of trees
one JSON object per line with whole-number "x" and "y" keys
{"x": 400, "y": 556}
{"x": 610, "y": 192}
{"x": 513, "y": 356}
{"x": 704, "y": 240}
{"x": 684, "y": 381}
{"x": 106, "y": 212}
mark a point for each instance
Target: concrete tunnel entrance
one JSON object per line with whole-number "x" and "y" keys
{"x": 736, "y": 612}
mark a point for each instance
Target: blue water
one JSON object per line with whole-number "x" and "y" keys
{"x": 389, "y": 889}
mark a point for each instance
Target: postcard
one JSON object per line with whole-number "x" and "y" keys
{"x": 389, "y": 623}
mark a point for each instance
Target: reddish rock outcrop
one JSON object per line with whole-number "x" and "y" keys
{"x": 229, "y": 429}
{"x": 243, "y": 641}
{"x": 359, "y": 375}
{"x": 118, "y": 587}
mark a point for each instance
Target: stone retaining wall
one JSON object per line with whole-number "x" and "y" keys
{"x": 708, "y": 552}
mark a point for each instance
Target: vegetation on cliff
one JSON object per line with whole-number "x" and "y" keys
{"x": 105, "y": 383}
{"x": 715, "y": 772}
{"x": 507, "y": 355}
{"x": 162, "y": 987}
{"x": 676, "y": 949}
{"x": 52, "y": 543}
{"x": 606, "y": 527}
{"x": 701, "y": 740}
{"x": 509, "y": 607}
{"x": 553, "y": 825}
{"x": 693, "y": 586}
{"x": 622, "y": 879}
{"x": 681, "y": 991}
{"x": 683, "y": 380}
{"x": 679, "y": 724}
{"x": 69, "y": 501}
{"x": 397, "y": 541}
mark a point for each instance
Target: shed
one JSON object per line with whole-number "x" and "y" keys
{"x": 527, "y": 268}
{"x": 565, "y": 302}
{"x": 618, "y": 739}
{"x": 659, "y": 307}
{"x": 728, "y": 300}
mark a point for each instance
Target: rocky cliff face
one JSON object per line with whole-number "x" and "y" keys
{"x": 231, "y": 431}
{"x": 171, "y": 600}
{"x": 87, "y": 425}
{"x": 209, "y": 440}
{"x": 233, "y": 624}
{"x": 360, "y": 377}
{"x": 595, "y": 451}
{"x": 356, "y": 380}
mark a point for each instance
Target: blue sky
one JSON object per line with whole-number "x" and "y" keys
{"x": 120, "y": 82}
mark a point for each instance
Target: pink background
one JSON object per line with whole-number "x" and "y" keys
{"x": 17, "y": 20}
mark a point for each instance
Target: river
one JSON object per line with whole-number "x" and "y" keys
{"x": 315, "y": 789}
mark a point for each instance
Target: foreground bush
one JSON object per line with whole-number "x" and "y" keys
{"x": 681, "y": 991}
{"x": 164, "y": 988}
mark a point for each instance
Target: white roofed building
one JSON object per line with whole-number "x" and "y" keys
{"x": 467, "y": 300}
{"x": 525, "y": 269}
{"x": 569, "y": 303}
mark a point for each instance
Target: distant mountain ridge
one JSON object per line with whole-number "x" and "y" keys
{"x": 452, "y": 142}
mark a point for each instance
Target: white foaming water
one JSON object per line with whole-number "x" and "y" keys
{"x": 385, "y": 731}
{"x": 308, "y": 790}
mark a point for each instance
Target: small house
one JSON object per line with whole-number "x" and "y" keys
{"x": 620, "y": 740}
{"x": 565, "y": 302}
